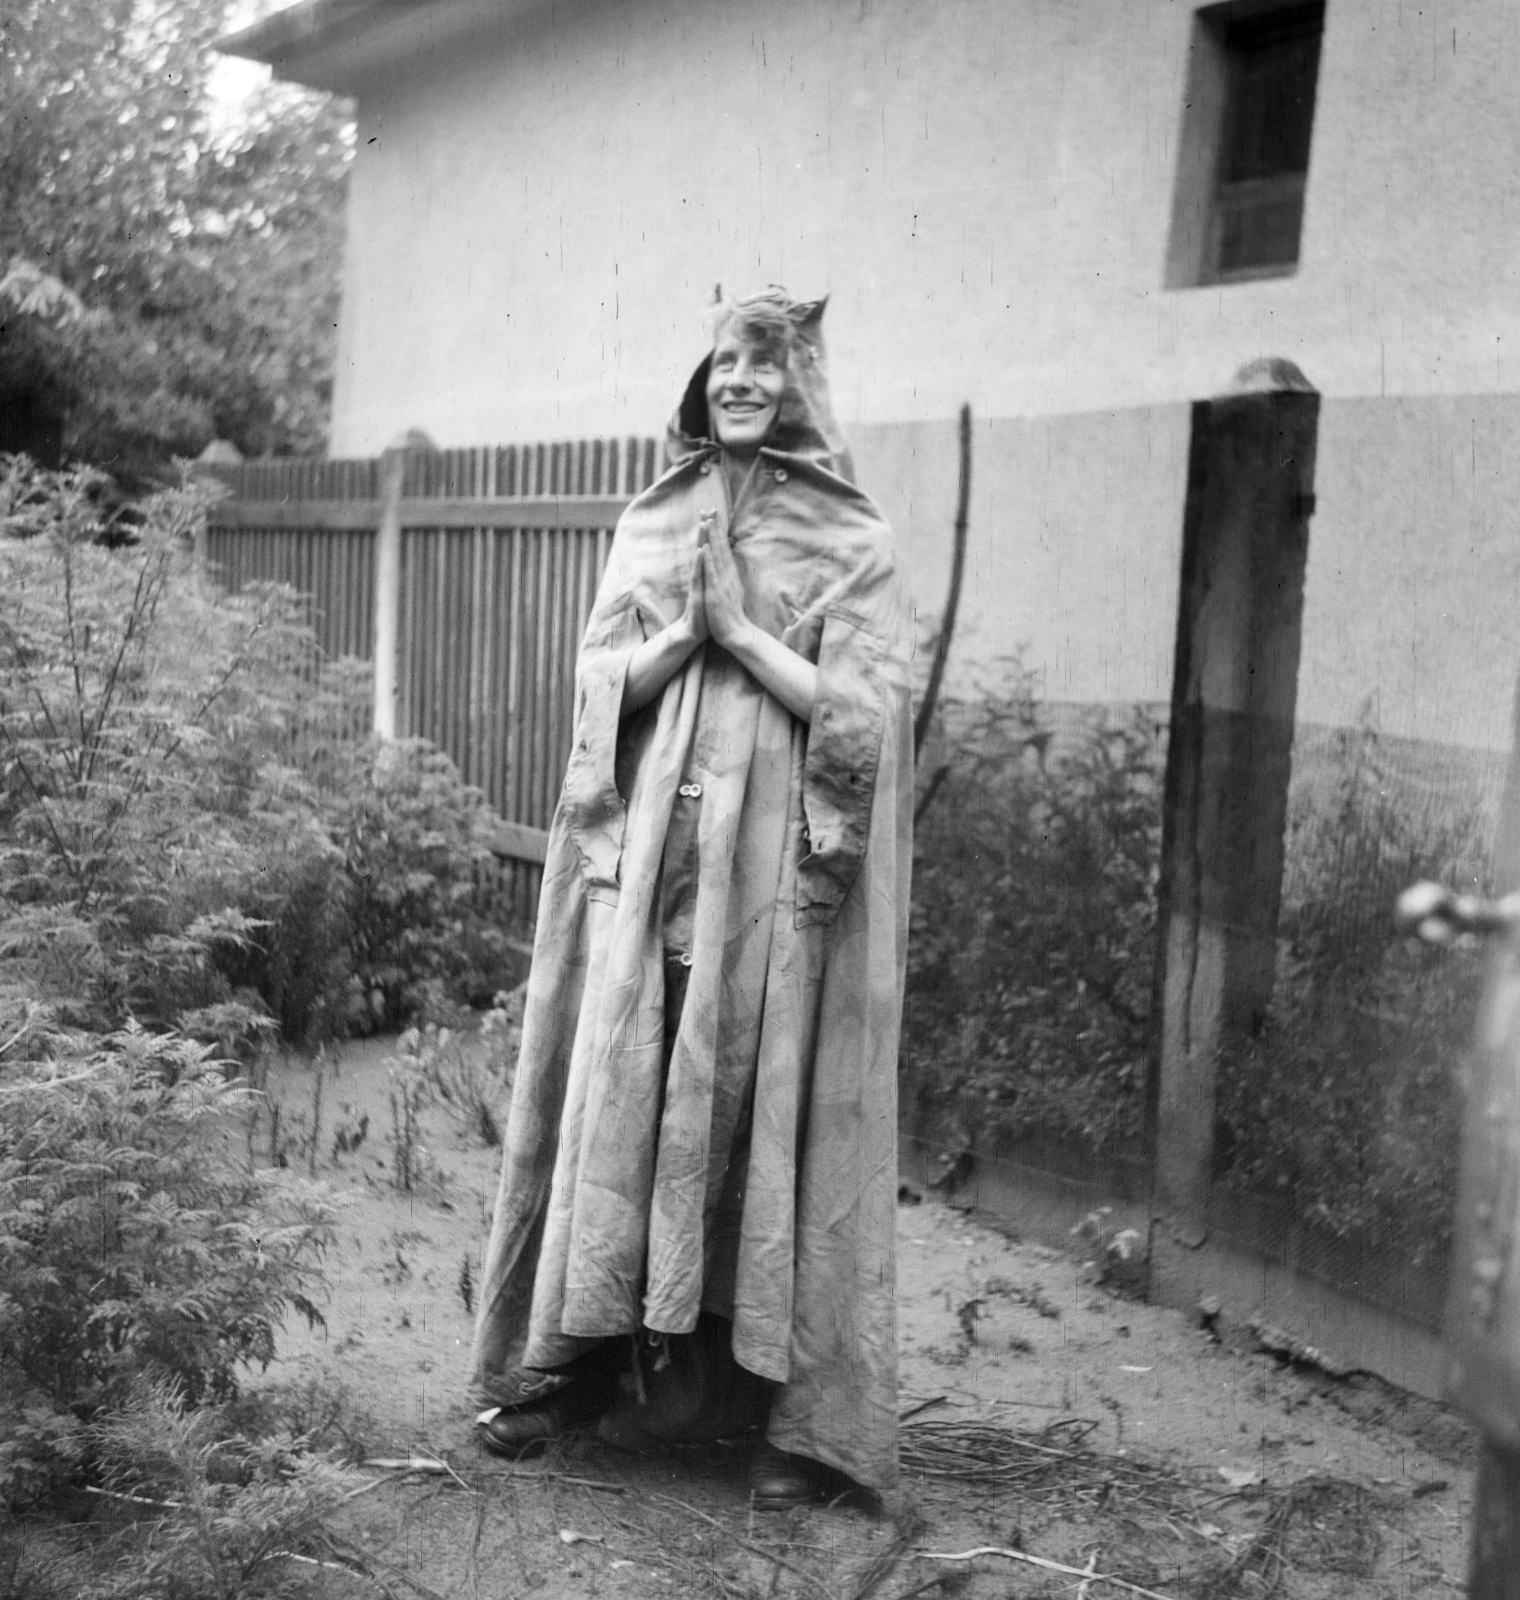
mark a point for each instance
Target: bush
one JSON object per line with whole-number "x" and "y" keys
{"x": 1347, "y": 1107}
{"x": 130, "y": 1242}
{"x": 234, "y": 1510}
{"x": 1033, "y": 922}
{"x": 199, "y": 834}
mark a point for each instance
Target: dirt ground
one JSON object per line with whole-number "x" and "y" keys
{"x": 1047, "y": 1419}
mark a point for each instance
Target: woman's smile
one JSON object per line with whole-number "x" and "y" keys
{"x": 744, "y": 387}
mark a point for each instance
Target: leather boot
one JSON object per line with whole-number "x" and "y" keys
{"x": 779, "y": 1482}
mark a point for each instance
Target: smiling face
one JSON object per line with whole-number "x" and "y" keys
{"x": 744, "y": 386}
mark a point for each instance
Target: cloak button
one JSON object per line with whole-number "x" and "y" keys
{"x": 691, "y": 790}
{"x": 780, "y": 474}
{"x": 685, "y": 958}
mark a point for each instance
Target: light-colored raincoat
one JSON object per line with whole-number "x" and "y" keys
{"x": 751, "y": 1169}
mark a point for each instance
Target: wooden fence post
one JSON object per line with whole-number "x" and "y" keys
{"x": 217, "y": 463}
{"x": 388, "y": 594}
{"x": 1234, "y": 688}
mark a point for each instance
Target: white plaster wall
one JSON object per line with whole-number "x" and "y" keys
{"x": 1073, "y": 552}
{"x": 1411, "y": 593}
{"x": 539, "y": 215}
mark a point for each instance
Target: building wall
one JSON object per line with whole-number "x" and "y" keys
{"x": 1410, "y": 603}
{"x": 538, "y": 217}
{"x": 539, "y": 214}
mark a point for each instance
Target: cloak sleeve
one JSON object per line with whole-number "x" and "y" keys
{"x": 592, "y": 806}
{"x": 843, "y": 751}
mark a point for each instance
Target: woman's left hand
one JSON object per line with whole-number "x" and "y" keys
{"x": 726, "y": 620}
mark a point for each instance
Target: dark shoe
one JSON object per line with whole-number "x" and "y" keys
{"x": 524, "y": 1430}
{"x": 780, "y": 1482}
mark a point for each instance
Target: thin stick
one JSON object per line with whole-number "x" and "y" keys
{"x": 376, "y": 1483}
{"x": 924, "y": 1588}
{"x": 364, "y": 1558}
{"x": 754, "y": 1549}
{"x": 924, "y": 1405}
{"x": 1041, "y": 1561}
{"x": 311, "y": 1561}
{"x": 544, "y": 1476}
{"x": 474, "y": 1567}
{"x": 953, "y": 598}
{"x": 135, "y": 1499}
{"x": 451, "y": 1472}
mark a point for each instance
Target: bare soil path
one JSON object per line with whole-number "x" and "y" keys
{"x": 1047, "y": 1420}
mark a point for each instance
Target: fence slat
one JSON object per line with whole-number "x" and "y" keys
{"x": 501, "y": 551}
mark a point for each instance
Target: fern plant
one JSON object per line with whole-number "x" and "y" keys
{"x": 218, "y": 1515}
{"x": 130, "y": 1240}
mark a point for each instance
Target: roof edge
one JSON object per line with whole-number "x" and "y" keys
{"x": 334, "y": 44}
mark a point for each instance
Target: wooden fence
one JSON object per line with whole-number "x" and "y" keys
{"x": 466, "y": 577}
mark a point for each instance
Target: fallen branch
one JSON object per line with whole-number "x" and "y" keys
{"x": 1045, "y": 1564}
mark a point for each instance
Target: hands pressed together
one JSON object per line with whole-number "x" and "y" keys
{"x": 715, "y": 610}
{"x": 715, "y": 599}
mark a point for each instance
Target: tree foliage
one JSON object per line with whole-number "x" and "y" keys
{"x": 201, "y": 264}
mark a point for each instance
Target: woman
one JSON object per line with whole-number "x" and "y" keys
{"x": 699, "y": 1181}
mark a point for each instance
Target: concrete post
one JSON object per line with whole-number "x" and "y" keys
{"x": 388, "y": 594}
{"x": 1235, "y": 682}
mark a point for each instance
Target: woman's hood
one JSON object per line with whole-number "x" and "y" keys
{"x": 804, "y": 425}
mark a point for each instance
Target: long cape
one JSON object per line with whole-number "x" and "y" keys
{"x": 635, "y": 1193}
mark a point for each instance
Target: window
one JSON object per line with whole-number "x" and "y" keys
{"x": 1244, "y": 158}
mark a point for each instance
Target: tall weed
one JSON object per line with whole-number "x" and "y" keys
{"x": 1347, "y": 1105}
{"x": 1033, "y": 921}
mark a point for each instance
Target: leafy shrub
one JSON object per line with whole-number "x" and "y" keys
{"x": 413, "y": 838}
{"x": 199, "y": 832}
{"x": 234, "y": 1509}
{"x": 1346, "y": 1107}
{"x": 130, "y": 1241}
{"x": 1033, "y": 922}
{"x": 133, "y": 705}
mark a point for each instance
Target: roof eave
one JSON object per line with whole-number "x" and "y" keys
{"x": 335, "y": 44}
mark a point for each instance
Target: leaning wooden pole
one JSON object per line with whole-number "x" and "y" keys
{"x": 953, "y": 599}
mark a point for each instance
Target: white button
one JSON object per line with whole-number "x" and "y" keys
{"x": 685, "y": 959}
{"x": 691, "y": 790}
{"x": 780, "y": 474}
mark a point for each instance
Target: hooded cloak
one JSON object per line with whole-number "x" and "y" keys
{"x": 747, "y": 1168}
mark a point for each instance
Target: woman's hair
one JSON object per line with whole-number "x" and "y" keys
{"x": 762, "y": 323}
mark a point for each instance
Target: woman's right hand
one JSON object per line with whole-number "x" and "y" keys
{"x": 692, "y": 622}
{"x": 657, "y": 660}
